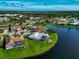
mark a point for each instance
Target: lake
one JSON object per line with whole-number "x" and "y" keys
{"x": 67, "y": 46}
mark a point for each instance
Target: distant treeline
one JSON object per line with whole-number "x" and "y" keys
{"x": 48, "y": 13}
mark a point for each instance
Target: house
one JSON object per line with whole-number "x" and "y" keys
{"x": 11, "y": 33}
{"x": 36, "y": 19}
{"x": 32, "y": 18}
{"x": 4, "y": 19}
{"x": 21, "y": 16}
{"x": 39, "y": 36}
{"x": 5, "y": 31}
{"x": 1, "y": 38}
{"x": 52, "y": 20}
{"x": 4, "y": 27}
{"x": 62, "y": 21}
{"x": 26, "y": 32}
{"x": 13, "y": 42}
{"x": 10, "y": 14}
{"x": 74, "y": 22}
{"x": 40, "y": 29}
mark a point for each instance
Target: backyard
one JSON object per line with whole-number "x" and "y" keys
{"x": 31, "y": 48}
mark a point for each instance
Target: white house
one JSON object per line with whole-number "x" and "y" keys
{"x": 1, "y": 38}
{"x": 10, "y": 14}
{"x": 21, "y": 16}
{"x": 74, "y": 22}
{"x": 11, "y": 33}
{"x": 39, "y": 36}
{"x": 5, "y": 31}
{"x": 26, "y": 32}
{"x": 4, "y": 19}
{"x": 62, "y": 21}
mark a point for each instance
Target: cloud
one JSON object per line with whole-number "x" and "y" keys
{"x": 62, "y": 1}
{"x": 75, "y": 0}
{"x": 56, "y": 7}
{"x": 29, "y": 6}
{"x": 38, "y": 6}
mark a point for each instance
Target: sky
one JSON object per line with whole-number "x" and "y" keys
{"x": 39, "y": 5}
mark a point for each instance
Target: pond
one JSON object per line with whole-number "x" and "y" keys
{"x": 67, "y": 46}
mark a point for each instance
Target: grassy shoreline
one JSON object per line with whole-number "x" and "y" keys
{"x": 66, "y": 26}
{"x": 32, "y": 48}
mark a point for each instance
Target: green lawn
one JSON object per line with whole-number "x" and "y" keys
{"x": 31, "y": 48}
{"x": 71, "y": 26}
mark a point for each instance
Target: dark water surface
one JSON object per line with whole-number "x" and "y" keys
{"x": 67, "y": 46}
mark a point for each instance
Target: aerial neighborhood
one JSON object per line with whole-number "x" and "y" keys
{"x": 15, "y": 27}
{"x": 65, "y": 21}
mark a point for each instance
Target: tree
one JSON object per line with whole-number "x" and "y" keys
{"x": 9, "y": 27}
{"x": 50, "y": 31}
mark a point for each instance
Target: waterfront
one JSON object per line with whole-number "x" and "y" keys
{"x": 67, "y": 46}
